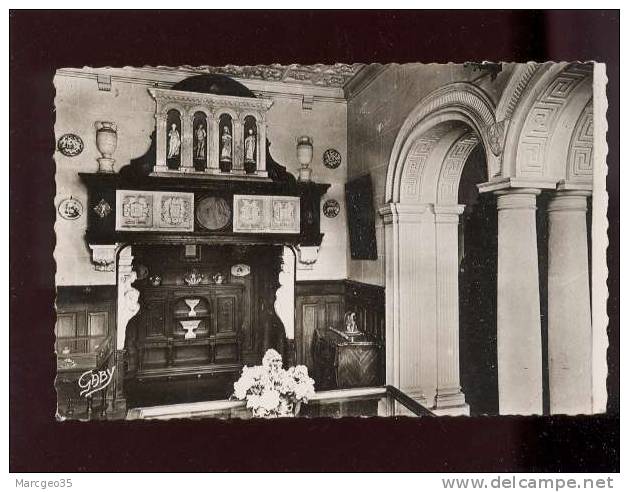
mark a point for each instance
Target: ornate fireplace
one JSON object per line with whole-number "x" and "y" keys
{"x": 204, "y": 232}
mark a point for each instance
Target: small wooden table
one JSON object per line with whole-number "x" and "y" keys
{"x": 342, "y": 360}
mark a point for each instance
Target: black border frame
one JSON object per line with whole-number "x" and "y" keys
{"x": 42, "y": 41}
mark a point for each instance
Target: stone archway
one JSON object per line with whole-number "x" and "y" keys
{"x": 421, "y": 241}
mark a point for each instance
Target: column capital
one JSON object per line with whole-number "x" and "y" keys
{"x": 394, "y": 213}
{"x": 517, "y": 198}
{"x": 507, "y": 184}
{"x": 448, "y": 213}
{"x": 568, "y": 201}
{"x": 577, "y": 186}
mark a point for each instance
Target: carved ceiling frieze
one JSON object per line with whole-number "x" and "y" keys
{"x": 322, "y": 75}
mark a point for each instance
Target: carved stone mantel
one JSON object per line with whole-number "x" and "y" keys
{"x": 285, "y": 295}
{"x": 128, "y": 296}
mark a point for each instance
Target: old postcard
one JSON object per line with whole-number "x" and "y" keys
{"x": 330, "y": 240}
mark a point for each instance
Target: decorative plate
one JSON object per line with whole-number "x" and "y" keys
{"x": 332, "y": 158}
{"x": 331, "y": 208}
{"x": 70, "y": 145}
{"x": 70, "y": 209}
{"x": 213, "y": 213}
{"x": 241, "y": 270}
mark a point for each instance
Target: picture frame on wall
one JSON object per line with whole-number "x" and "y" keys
{"x": 361, "y": 218}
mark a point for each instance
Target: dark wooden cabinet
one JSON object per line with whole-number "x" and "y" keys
{"x": 162, "y": 346}
{"x": 342, "y": 361}
{"x": 232, "y": 321}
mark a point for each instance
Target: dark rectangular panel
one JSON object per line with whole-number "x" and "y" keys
{"x": 361, "y": 218}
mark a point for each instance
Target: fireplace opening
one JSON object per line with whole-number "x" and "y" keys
{"x": 205, "y": 312}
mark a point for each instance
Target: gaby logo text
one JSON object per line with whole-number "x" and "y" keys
{"x": 90, "y": 381}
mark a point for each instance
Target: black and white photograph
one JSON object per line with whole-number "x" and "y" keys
{"x": 358, "y": 240}
{"x": 384, "y": 241}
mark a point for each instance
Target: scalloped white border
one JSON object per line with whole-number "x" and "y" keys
{"x": 600, "y": 242}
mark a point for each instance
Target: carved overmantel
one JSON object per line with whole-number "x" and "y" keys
{"x": 104, "y": 232}
{"x": 232, "y": 130}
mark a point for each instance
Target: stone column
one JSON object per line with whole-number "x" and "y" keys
{"x": 449, "y": 398}
{"x": 518, "y": 324}
{"x": 569, "y": 317}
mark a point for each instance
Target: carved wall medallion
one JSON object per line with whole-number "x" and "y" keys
{"x": 240, "y": 270}
{"x": 102, "y": 209}
{"x": 332, "y": 158}
{"x": 70, "y": 208}
{"x": 213, "y": 213}
{"x": 331, "y": 208}
{"x": 70, "y": 145}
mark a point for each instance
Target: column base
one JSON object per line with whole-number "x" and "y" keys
{"x": 459, "y": 410}
{"x": 451, "y": 404}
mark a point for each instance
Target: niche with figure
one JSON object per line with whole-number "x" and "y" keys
{"x": 251, "y": 144}
{"x": 173, "y": 140}
{"x": 226, "y": 143}
{"x": 199, "y": 141}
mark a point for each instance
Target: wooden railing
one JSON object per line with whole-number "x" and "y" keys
{"x": 396, "y": 403}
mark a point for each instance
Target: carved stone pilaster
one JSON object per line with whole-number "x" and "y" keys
{"x": 187, "y": 131}
{"x": 449, "y": 396}
{"x": 261, "y": 162}
{"x": 238, "y": 158}
{"x": 213, "y": 144}
{"x": 161, "y": 121}
{"x": 410, "y": 312}
{"x": 285, "y": 294}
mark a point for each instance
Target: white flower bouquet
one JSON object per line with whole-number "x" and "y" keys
{"x": 271, "y": 391}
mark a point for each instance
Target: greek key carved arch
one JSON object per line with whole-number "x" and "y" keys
{"x": 461, "y": 101}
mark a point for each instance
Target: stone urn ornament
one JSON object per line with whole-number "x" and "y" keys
{"x": 304, "y": 156}
{"x": 106, "y": 142}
